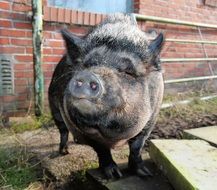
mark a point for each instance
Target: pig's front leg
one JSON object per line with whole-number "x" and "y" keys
{"x": 136, "y": 164}
{"x": 106, "y": 162}
{"x": 64, "y": 133}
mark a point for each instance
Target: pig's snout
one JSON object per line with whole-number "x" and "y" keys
{"x": 85, "y": 85}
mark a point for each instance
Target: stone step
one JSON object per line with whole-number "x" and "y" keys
{"x": 128, "y": 181}
{"x": 188, "y": 164}
{"x": 208, "y": 134}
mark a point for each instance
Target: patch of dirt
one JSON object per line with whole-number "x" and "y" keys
{"x": 59, "y": 171}
{"x": 173, "y": 126}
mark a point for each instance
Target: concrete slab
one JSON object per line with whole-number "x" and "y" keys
{"x": 188, "y": 164}
{"x": 208, "y": 134}
{"x": 129, "y": 182}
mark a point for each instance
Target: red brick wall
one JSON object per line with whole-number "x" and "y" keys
{"x": 16, "y": 41}
{"x": 192, "y": 11}
{"x": 179, "y": 9}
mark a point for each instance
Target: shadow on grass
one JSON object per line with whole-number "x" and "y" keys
{"x": 19, "y": 169}
{"x": 22, "y": 170}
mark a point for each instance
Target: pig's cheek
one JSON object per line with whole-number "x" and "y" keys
{"x": 117, "y": 101}
{"x": 85, "y": 107}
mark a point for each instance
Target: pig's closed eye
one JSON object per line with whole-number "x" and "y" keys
{"x": 90, "y": 64}
{"x": 127, "y": 67}
{"x": 130, "y": 70}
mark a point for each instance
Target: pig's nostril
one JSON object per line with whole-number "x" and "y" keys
{"x": 93, "y": 85}
{"x": 78, "y": 83}
{"x": 85, "y": 85}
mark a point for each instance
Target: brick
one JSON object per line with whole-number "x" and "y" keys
{"x": 22, "y": 97}
{"x": 5, "y": 5}
{"x": 5, "y": 15}
{"x": 74, "y": 17}
{"x": 79, "y": 30}
{"x": 137, "y": 1}
{"x": 23, "y": 104}
{"x": 29, "y": 50}
{"x": 53, "y": 14}
{"x": 47, "y": 34}
{"x": 92, "y": 19}
{"x": 21, "y": 82}
{"x": 21, "y": 42}
{"x": 80, "y": 20}
{"x": 49, "y": 27}
{"x": 22, "y": 25}
{"x": 12, "y": 49}
{"x": 7, "y": 99}
{"x": 4, "y": 41}
{"x": 47, "y": 51}
{"x": 20, "y": 66}
{"x": 67, "y": 15}
{"x": 24, "y": 58}
{"x": 23, "y": 75}
{"x": 28, "y": 2}
{"x": 54, "y": 59}
{"x": 12, "y": 33}
{"x": 47, "y": 67}
{"x": 57, "y": 36}
{"x": 47, "y": 83}
{"x": 5, "y": 23}
{"x": 20, "y": 16}
{"x": 59, "y": 51}
{"x": 60, "y": 15}
{"x": 98, "y": 18}
{"x": 55, "y": 43}
{"x": 86, "y": 18}
{"x": 29, "y": 34}
{"x": 136, "y": 6}
{"x": 48, "y": 74}
{"x": 47, "y": 13}
{"x": 44, "y": 2}
{"x": 20, "y": 7}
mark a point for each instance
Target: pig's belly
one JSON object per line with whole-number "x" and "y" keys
{"x": 95, "y": 135}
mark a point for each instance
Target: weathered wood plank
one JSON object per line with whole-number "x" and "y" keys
{"x": 37, "y": 23}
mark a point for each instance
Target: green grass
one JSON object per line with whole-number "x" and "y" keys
{"x": 32, "y": 124}
{"x": 185, "y": 95}
{"x": 189, "y": 111}
{"x": 16, "y": 172}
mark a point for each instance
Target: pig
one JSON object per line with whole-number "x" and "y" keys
{"x": 107, "y": 91}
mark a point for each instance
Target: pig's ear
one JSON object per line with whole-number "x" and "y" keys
{"x": 154, "y": 50}
{"x": 73, "y": 44}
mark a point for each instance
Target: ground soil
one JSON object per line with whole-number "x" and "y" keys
{"x": 67, "y": 169}
{"x": 173, "y": 127}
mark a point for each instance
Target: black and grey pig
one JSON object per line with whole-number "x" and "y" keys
{"x": 107, "y": 90}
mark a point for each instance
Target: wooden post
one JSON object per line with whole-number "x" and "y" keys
{"x": 37, "y": 23}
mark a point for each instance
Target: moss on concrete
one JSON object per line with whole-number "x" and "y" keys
{"x": 189, "y": 164}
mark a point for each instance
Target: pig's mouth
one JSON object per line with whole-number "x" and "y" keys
{"x": 83, "y": 112}
{"x": 83, "y": 105}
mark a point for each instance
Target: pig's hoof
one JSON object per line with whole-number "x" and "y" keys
{"x": 141, "y": 170}
{"x": 63, "y": 151}
{"x": 112, "y": 171}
